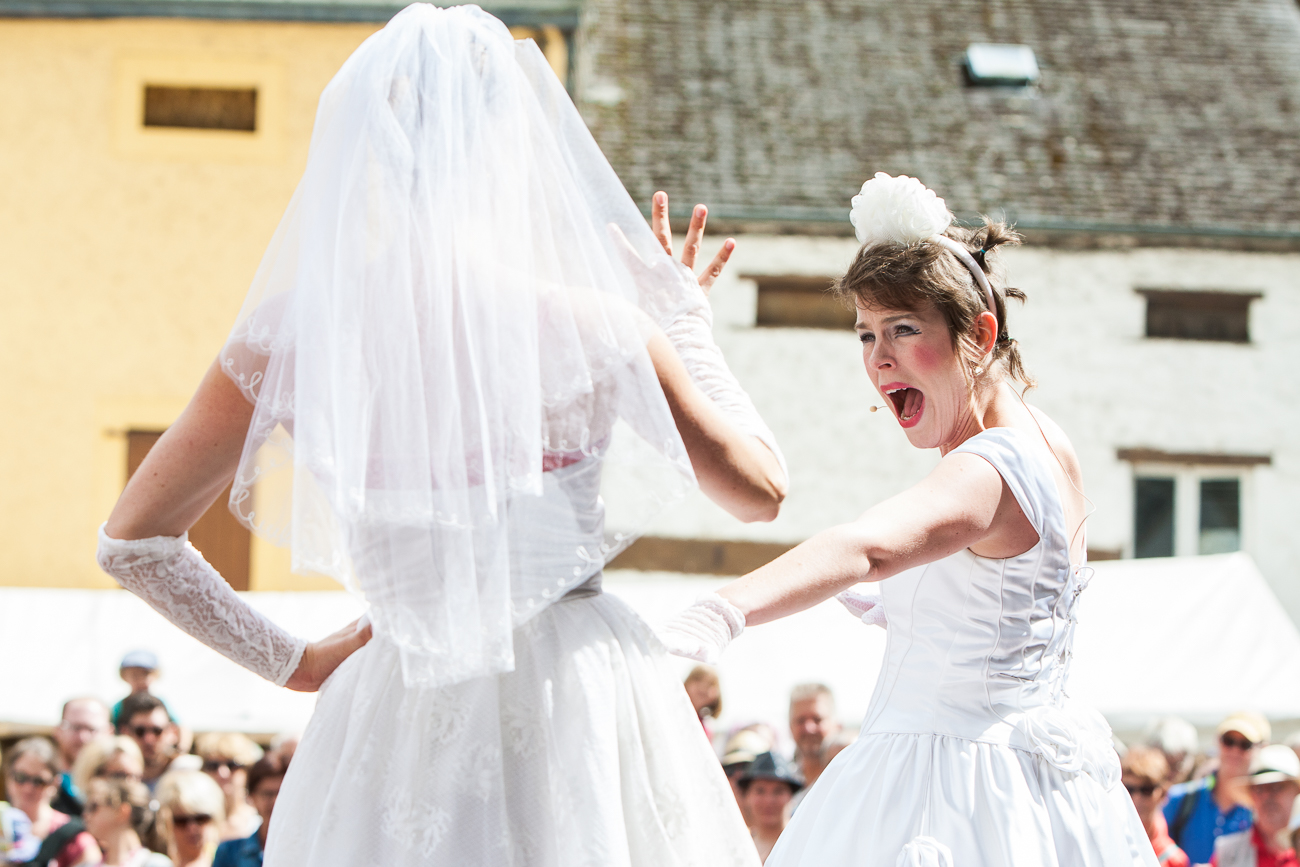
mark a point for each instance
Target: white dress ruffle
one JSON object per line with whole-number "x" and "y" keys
{"x": 587, "y": 754}
{"x": 971, "y": 754}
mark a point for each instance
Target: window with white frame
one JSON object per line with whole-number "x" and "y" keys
{"x": 1185, "y": 505}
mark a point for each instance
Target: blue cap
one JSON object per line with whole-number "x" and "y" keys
{"x": 140, "y": 659}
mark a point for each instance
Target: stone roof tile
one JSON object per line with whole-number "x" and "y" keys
{"x": 1150, "y": 113}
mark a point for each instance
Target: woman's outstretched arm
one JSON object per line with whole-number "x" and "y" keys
{"x": 963, "y": 503}
{"x": 958, "y": 505}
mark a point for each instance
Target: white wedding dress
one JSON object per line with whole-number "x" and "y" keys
{"x": 588, "y": 753}
{"x": 970, "y": 754}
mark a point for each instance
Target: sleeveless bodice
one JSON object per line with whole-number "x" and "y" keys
{"x": 971, "y": 753}
{"x": 547, "y": 531}
{"x": 979, "y": 648}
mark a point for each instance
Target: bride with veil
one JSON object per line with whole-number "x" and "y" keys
{"x": 466, "y": 376}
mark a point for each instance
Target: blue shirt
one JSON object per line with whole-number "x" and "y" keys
{"x": 239, "y": 853}
{"x": 1205, "y": 823}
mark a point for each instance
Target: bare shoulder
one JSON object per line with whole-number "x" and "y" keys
{"x": 1060, "y": 444}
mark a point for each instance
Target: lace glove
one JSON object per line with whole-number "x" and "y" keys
{"x": 704, "y": 630}
{"x": 170, "y": 575}
{"x": 691, "y": 334}
{"x": 869, "y": 607}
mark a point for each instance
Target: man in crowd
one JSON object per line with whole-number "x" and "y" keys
{"x": 812, "y": 721}
{"x": 83, "y": 720}
{"x": 742, "y": 749}
{"x": 145, "y": 720}
{"x": 766, "y": 789}
{"x": 264, "y": 779}
{"x": 1274, "y": 782}
{"x": 1201, "y": 811}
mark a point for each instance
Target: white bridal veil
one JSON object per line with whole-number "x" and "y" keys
{"x": 445, "y": 342}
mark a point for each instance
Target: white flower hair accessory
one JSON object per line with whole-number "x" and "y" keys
{"x": 900, "y": 210}
{"x": 903, "y": 210}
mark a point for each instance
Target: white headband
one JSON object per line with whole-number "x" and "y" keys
{"x": 960, "y": 251}
{"x": 903, "y": 210}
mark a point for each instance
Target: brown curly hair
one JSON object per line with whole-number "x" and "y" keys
{"x": 912, "y": 277}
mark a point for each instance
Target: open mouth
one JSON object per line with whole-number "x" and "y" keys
{"x": 907, "y": 402}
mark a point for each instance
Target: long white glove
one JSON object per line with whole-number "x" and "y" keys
{"x": 704, "y": 630}
{"x": 691, "y": 334}
{"x": 171, "y": 575}
{"x": 868, "y": 607}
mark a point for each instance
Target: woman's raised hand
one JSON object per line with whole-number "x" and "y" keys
{"x": 694, "y": 235}
{"x": 320, "y": 658}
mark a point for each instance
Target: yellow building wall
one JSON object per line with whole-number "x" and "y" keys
{"x": 125, "y": 253}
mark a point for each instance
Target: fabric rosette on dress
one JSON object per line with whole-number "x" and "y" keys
{"x": 925, "y": 852}
{"x": 1073, "y": 738}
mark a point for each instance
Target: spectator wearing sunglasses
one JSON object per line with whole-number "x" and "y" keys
{"x": 145, "y": 720}
{"x": 226, "y": 759}
{"x": 1203, "y": 810}
{"x": 190, "y": 809}
{"x": 117, "y": 814}
{"x": 114, "y": 757}
{"x": 264, "y": 779}
{"x": 1145, "y": 774}
{"x": 31, "y": 774}
{"x": 1274, "y": 783}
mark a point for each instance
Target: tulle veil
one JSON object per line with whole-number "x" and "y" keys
{"x": 445, "y": 343}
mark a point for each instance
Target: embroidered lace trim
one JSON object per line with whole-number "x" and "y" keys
{"x": 171, "y": 575}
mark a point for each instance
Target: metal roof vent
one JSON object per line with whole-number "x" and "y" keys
{"x": 990, "y": 65}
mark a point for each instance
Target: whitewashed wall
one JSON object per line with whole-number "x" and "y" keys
{"x": 1099, "y": 377}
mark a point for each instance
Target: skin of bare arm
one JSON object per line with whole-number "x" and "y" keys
{"x": 956, "y": 506}
{"x": 182, "y": 475}
{"x": 734, "y": 470}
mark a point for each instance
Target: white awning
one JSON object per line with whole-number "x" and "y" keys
{"x": 1198, "y": 637}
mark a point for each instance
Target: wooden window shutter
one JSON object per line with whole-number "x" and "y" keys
{"x": 221, "y": 539}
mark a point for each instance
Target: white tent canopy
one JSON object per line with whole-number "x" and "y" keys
{"x": 1197, "y": 637}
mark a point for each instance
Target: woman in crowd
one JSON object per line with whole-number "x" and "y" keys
{"x": 113, "y": 757}
{"x": 191, "y": 807}
{"x": 467, "y": 375}
{"x": 227, "y": 758}
{"x": 970, "y": 753}
{"x": 1145, "y": 774}
{"x": 705, "y": 692}
{"x": 264, "y": 780}
{"x": 31, "y": 774}
{"x": 117, "y": 814}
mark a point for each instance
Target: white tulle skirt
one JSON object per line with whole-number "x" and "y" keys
{"x": 587, "y": 754}
{"x": 929, "y": 800}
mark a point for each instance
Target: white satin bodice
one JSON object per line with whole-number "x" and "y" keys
{"x": 979, "y": 648}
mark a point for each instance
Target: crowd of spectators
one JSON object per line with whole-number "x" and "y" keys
{"x": 1234, "y": 805}
{"x": 130, "y": 787}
